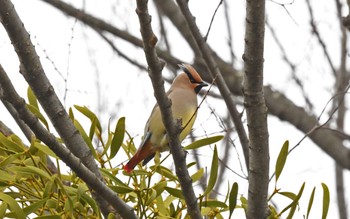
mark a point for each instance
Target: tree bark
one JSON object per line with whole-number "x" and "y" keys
{"x": 256, "y": 109}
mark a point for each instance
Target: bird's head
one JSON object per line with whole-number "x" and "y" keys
{"x": 191, "y": 78}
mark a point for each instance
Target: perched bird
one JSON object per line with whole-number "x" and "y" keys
{"x": 183, "y": 95}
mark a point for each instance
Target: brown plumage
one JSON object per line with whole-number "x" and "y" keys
{"x": 183, "y": 94}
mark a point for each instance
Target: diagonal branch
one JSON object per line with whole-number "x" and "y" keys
{"x": 34, "y": 74}
{"x": 278, "y": 104}
{"x": 216, "y": 73}
{"x": 10, "y": 95}
{"x": 172, "y": 127}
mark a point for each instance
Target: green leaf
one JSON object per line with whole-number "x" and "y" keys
{"x": 32, "y": 98}
{"x": 92, "y": 203}
{"x": 31, "y": 170}
{"x": 71, "y": 114}
{"x": 295, "y": 200}
{"x": 49, "y": 186}
{"x": 121, "y": 189}
{"x": 214, "y": 204}
{"x": 233, "y": 198}
{"x": 152, "y": 194}
{"x": 94, "y": 124}
{"x": 281, "y": 160}
{"x": 204, "y": 142}
{"x": 88, "y": 113}
{"x": 175, "y": 192}
{"x": 163, "y": 171}
{"x": 86, "y": 138}
{"x": 45, "y": 149}
{"x": 311, "y": 200}
{"x": 118, "y": 137}
{"x": 163, "y": 210}
{"x": 9, "y": 159}
{"x": 12, "y": 203}
{"x": 159, "y": 187}
{"x": 49, "y": 217}
{"x": 213, "y": 173}
{"x": 6, "y": 177}
{"x": 325, "y": 206}
{"x": 197, "y": 175}
{"x": 244, "y": 202}
{"x": 8, "y": 143}
{"x": 33, "y": 207}
{"x": 38, "y": 114}
{"x": 3, "y": 208}
{"x": 112, "y": 177}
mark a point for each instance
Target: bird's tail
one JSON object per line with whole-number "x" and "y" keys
{"x": 144, "y": 152}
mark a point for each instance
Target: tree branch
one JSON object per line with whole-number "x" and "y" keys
{"x": 278, "y": 104}
{"x": 35, "y": 76}
{"x": 218, "y": 78}
{"x": 10, "y": 95}
{"x": 172, "y": 127}
{"x": 256, "y": 109}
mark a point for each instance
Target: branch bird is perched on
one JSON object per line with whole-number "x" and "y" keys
{"x": 183, "y": 95}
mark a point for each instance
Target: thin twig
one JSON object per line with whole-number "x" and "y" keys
{"x": 212, "y": 20}
{"x": 319, "y": 38}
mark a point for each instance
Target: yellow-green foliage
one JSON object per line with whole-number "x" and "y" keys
{"x": 28, "y": 188}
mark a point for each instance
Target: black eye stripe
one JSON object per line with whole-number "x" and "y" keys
{"x": 190, "y": 76}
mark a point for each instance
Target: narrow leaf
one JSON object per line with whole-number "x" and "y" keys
{"x": 214, "y": 204}
{"x": 311, "y": 200}
{"x": 71, "y": 114}
{"x": 118, "y": 137}
{"x": 159, "y": 187}
{"x": 45, "y": 149}
{"x": 295, "y": 200}
{"x": 281, "y": 160}
{"x": 34, "y": 206}
{"x": 6, "y": 177}
{"x": 175, "y": 192}
{"x": 213, "y": 173}
{"x": 12, "y": 203}
{"x": 49, "y": 217}
{"x": 85, "y": 137}
{"x": 88, "y": 113}
{"x": 32, "y": 98}
{"x": 38, "y": 114}
{"x": 3, "y": 208}
{"x": 121, "y": 189}
{"x": 325, "y": 201}
{"x": 8, "y": 143}
{"x": 233, "y": 198}
{"x": 161, "y": 206}
{"x": 204, "y": 142}
{"x": 31, "y": 170}
{"x": 197, "y": 175}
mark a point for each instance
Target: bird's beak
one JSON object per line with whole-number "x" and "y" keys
{"x": 199, "y": 87}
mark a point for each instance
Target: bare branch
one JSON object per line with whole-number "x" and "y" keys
{"x": 292, "y": 66}
{"x": 278, "y": 104}
{"x": 215, "y": 73}
{"x": 172, "y": 127}
{"x": 65, "y": 154}
{"x": 212, "y": 20}
{"x": 35, "y": 76}
{"x": 254, "y": 102}
{"x": 319, "y": 38}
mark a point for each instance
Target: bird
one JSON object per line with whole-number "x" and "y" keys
{"x": 183, "y": 95}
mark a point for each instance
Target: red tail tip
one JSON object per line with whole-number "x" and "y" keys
{"x": 127, "y": 168}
